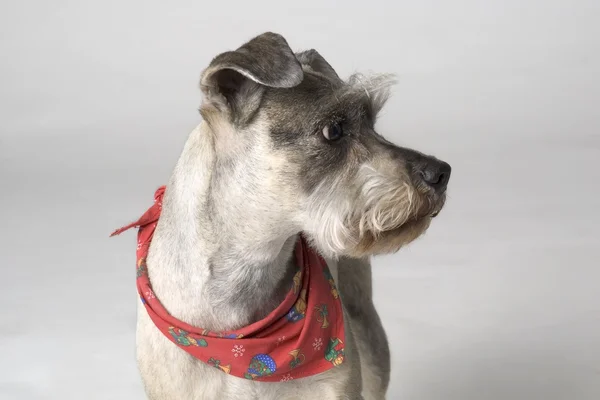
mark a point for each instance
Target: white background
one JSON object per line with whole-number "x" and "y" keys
{"x": 500, "y": 300}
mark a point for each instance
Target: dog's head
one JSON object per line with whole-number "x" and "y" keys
{"x": 298, "y": 146}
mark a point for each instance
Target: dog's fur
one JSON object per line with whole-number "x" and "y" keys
{"x": 254, "y": 174}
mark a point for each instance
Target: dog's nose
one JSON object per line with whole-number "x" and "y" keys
{"x": 436, "y": 174}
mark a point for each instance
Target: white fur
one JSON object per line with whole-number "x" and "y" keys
{"x": 379, "y": 200}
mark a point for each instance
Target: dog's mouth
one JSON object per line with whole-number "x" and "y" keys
{"x": 438, "y": 207}
{"x": 390, "y": 241}
{"x": 426, "y": 214}
{"x": 394, "y": 237}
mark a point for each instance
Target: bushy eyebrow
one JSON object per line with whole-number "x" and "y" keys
{"x": 345, "y": 106}
{"x": 315, "y": 103}
{"x": 376, "y": 87}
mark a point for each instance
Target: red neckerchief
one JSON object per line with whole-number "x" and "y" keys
{"x": 303, "y": 336}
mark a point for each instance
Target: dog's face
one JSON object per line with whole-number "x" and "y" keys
{"x": 302, "y": 144}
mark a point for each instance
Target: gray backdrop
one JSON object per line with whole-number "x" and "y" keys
{"x": 500, "y": 300}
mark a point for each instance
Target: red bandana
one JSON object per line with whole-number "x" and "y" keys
{"x": 303, "y": 336}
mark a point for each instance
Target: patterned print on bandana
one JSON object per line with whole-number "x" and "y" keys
{"x": 303, "y": 336}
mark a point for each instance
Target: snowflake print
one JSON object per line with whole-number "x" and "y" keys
{"x": 317, "y": 344}
{"x": 238, "y": 350}
{"x": 149, "y": 294}
{"x": 280, "y": 340}
{"x": 286, "y": 378}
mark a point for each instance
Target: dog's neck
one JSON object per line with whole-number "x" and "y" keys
{"x": 203, "y": 267}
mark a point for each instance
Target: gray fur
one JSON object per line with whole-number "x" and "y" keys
{"x": 315, "y": 61}
{"x": 237, "y": 78}
{"x": 252, "y": 176}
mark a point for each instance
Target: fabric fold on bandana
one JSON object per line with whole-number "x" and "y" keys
{"x": 303, "y": 336}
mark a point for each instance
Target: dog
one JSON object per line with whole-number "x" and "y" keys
{"x": 285, "y": 167}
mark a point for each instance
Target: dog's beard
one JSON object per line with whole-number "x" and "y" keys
{"x": 384, "y": 204}
{"x": 376, "y": 214}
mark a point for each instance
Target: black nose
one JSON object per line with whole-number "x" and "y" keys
{"x": 436, "y": 174}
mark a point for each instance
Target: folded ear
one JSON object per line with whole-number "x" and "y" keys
{"x": 235, "y": 80}
{"x": 317, "y": 63}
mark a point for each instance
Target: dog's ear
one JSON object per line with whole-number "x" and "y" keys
{"x": 235, "y": 80}
{"x": 317, "y": 63}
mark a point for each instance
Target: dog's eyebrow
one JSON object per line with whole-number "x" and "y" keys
{"x": 350, "y": 105}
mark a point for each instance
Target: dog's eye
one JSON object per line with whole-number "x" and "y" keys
{"x": 333, "y": 132}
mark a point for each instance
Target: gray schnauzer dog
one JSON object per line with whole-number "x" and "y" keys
{"x": 285, "y": 148}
